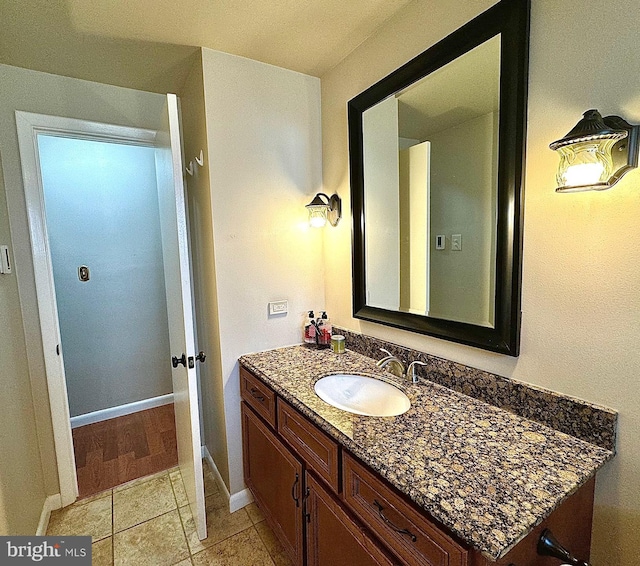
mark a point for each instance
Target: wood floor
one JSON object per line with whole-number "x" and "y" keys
{"x": 119, "y": 450}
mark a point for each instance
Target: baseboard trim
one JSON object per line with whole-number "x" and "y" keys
{"x": 237, "y": 500}
{"x": 51, "y": 503}
{"x": 121, "y": 410}
{"x": 240, "y": 500}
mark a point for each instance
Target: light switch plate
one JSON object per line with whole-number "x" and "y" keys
{"x": 5, "y": 260}
{"x": 456, "y": 242}
{"x": 278, "y": 307}
{"x": 440, "y": 242}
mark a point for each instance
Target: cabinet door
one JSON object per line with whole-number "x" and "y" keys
{"x": 333, "y": 538}
{"x": 274, "y": 476}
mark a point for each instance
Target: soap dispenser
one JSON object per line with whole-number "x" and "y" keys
{"x": 324, "y": 339}
{"x": 310, "y": 329}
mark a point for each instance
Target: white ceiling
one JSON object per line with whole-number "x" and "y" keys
{"x": 150, "y": 44}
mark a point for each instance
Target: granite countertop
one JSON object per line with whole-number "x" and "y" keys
{"x": 488, "y": 475}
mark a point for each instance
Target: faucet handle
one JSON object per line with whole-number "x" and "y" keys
{"x": 411, "y": 370}
{"x": 386, "y": 352}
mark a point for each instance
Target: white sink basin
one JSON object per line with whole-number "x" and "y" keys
{"x": 362, "y": 395}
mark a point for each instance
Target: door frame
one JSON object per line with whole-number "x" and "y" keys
{"x": 29, "y": 126}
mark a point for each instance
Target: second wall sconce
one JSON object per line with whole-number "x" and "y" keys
{"x": 596, "y": 153}
{"x": 323, "y": 208}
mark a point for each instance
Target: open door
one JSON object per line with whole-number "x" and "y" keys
{"x": 175, "y": 249}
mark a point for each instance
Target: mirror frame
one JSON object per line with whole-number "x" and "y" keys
{"x": 511, "y": 19}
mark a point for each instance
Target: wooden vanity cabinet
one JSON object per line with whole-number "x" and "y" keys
{"x": 261, "y": 398}
{"x": 407, "y": 532}
{"x": 333, "y": 537}
{"x": 319, "y": 452}
{"x": 275, "y": 477}
{"x": 329, "y": 509}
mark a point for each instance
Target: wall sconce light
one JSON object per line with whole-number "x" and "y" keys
{"x": 596, "y": 153}
{"x": 323, "y": 208}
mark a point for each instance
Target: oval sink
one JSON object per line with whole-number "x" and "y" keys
{"x": 362, "y": 395}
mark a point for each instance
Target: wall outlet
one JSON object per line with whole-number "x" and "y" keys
{"x": 456, "y": 242}
{"x": 278, "y": 307}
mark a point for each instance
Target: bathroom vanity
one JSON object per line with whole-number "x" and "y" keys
{"x": 453, "y": 481}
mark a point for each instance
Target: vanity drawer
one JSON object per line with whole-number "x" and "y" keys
{"x": 319, "y": 452}
{"x": 258, "y": 395}
{"x": 406, "y": 531}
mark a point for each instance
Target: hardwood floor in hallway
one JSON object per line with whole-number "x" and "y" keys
{"x": 113, "y": 452}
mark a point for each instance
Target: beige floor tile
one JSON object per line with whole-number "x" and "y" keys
{"x": 92, "y": 518}
{"x": 185, "y": 562}
{"x": 102, "y": 552}
{"x": 220, "y": 523}
{"x": 273, "y": 545}
{"x": 138, "y": 481}
{"x": 142, "y": 502}
{"x": 178, "y": 488}
{"x": 158, "y": 542}
{"x": 93, "y": 497}
{"x": 210, "y": 484}
{"x": 254, "y": 513}
{"x": 243, "y": 549}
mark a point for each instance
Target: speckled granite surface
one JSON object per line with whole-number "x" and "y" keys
{"x": 489, "y": 475}
{"x": 578, "y": 418}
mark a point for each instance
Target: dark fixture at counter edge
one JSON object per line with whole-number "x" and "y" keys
{"x": 549, "y": 546}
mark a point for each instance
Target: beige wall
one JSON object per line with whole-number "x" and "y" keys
{"x": 20, "y": 340}
{"x": 264, "y": 142}
{"x": 194, "y": 134}
{"x": 581, "y": 290}
{"x": 22, "y": 489}
{"x": 463, "y": 201}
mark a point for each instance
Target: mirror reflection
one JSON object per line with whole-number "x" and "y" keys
{"x": 430, "y": 168}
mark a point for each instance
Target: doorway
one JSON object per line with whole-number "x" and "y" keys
{"x": 166, "y": 145}
{"x": 103, "y": 222}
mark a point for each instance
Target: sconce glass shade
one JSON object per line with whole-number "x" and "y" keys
{"x": 317, "y": 215}
{"x": 585, "y": 166}
{"x": 323, "y": 208}
{"x": 596, "y": 153}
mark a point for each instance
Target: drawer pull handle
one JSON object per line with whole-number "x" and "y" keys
{"x": 391, "y": 525}
{"x": 255, "y": 393}
{"x": 294, "y": 491}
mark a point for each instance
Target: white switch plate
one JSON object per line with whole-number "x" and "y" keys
{"x": 456, "y": 242}
{"x": 440, "y": 242}
{"x": 278, "y": 307}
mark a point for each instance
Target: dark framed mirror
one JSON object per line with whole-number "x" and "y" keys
{"x": 436, "y": 153}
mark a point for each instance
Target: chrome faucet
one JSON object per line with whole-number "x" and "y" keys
{"x": 397, "y": 367}
{"x": 411, "y": 370}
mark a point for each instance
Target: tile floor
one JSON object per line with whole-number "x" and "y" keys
{"x": 148, "y": 522}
